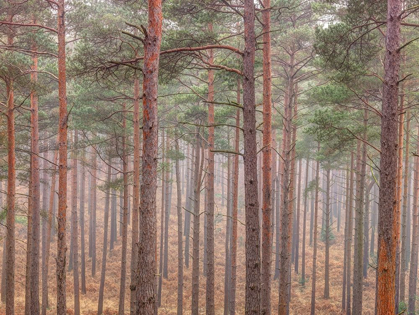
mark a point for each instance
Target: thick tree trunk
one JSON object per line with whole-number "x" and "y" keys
{"x": 388, "y": 229}
{"x": 105, "y": 241}
{"x": 252, "y": 299}
{"x": 146, "y": 294}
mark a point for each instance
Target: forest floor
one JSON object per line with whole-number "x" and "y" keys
{"x": 301, "y": 295}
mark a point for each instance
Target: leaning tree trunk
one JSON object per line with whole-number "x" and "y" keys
{"x": 388, "y": 229}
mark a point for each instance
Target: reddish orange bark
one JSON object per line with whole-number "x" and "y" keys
{"x": 62, "y": 164}
{"x": 146, "y": 293}
{"x": 388, "y": 229}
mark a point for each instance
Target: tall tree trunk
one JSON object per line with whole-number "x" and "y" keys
{"x": 75, "y": 231}
{"x": 105, "y": 240}
{"x": 199, "y": 162}
{"x": 36, "y": 210}
{"x": 163, "y": 200}
{"x": 303, "y": 253}
{"x": 297, "y": 232}
{"x": 287, "y": 203}
{"x": 415, "y": 236}
{"x": 62, "y": 175}
{"x": 124, "y": 215}
{"x": 349, "y": 237}
{"x": 227, "y": 268}
{"x": 11, "y": 189}
{"x": 93, "y": 211}
{"x": 168, "y": 206}
{"x": 315, "y": 231}
{"x": 359, "y": 221}
{"x": 210, "y": 303}
{"x": 404, "y": 265}
{"x": 82, "y": 227}
{"x": 252, "y": 300}
{"x": 48, "y": 237}
{"x": 146, "y": 294}
{"x": 136, "y": 195}
{"x": 388, "y": 229}
{"x": 29, "y": 240}
{"x": 234, "y": 209}
{"x": 327, "y": 236}
{"x": 346, "y": 233}
{"x": 267, "y": 165}
{"x": 179, "y": 235}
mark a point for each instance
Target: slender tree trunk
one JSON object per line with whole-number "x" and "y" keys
{"x": 124, "y": 215}
{"x": 163, "y": 200}
{"x": 146, "y": 295}
{"x": 359, "y": 240}
{"x": 75, "y": 232}
{"x": 367, "y": 229}
{"x": 227, "y": 269}
{"x": 11, "y": 190}
{"x": 349, "y": 238}
{"x": 287, "y": 204}
{"x": 168, "y": 206}
{"x": 404, "y": 265}
{"x": 345, "y": 258}
{"x": 29, "y": 239}
{"x": 48, "y": 237}
{"x": 210, "y": 302}
{"x": 413, "y": 273}
{"x": 327, "y": 236}
{"x": 93, "y": 211}
{"x": 196, "y": 224}
{"x": 234, "y": 209}
{"x": 105, "y": 241}
{"x": 82, "y": 228}
{"x": 316, "y": 209}
{"x": 303, "y": 254}
{"x": 179, "y": 236}
{"x": 136, "y": 196}
{"x": 388, "y": 229}
{"x": 267, "y": 165}
{"x": 297, "y": 232}
{"x": 62, "y": 176}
